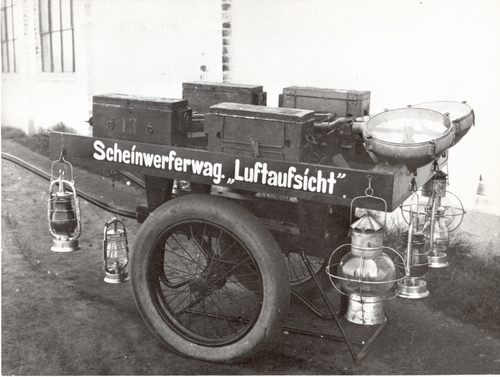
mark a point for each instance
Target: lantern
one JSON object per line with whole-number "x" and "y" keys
{"x": 437, "y": 236}
{"x": 416, "y": 263}
{"x": 442, "y": 214}
{"x": 435, "y": 190}
{"x": 115, "y": 252}
{"x": 64, "y": 210}
{"x": 366, "y": 273}
{"x": 435, "y": 230}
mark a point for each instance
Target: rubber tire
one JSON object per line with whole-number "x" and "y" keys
{"x": 258, "y": 241}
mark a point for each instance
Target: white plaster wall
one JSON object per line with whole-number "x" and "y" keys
{"x": 153, "y": 46}
{"x": 14, "y": 86}
{"x": 34, "y": 100}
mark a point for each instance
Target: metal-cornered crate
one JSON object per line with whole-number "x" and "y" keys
{"x": 201, "y": 95}
{"x": 258, "y": 131}
{"x": 338, "y": 101}
{"x": 152, "y": 120}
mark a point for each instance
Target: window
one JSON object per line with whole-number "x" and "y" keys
{"x": 57, "y": 35}
{"x": 8, "y": 38}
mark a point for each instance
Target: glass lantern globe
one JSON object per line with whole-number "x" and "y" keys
{"x": 370, "y": 273}
{"x": 64, "y": 215}
{"x": 366, "y": 273}
{"x": 437, "y": 237}
{"x": 115, "y": 252}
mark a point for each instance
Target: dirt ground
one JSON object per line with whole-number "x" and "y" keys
{"x": 60, "y": 318}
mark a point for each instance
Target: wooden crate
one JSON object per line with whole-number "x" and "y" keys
{"x": 147, "y": 119}
{"x": 258, "y": 131}
{"x": 340, "y": 102}
{"x": 202, "y": 95}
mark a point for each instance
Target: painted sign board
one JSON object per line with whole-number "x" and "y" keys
{"x": 328, "y": 184}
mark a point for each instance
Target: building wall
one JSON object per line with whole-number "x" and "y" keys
{"x": 154, "y": 45}
{"x": 141, "y": 47}
{"x": 404, "y": 52}
{"x": 32, "y": 99}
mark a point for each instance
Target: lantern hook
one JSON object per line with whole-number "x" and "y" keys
{"x": 61, "y": 154}
{"x": 369, "y": 190}
{"x": 414, "y": 185}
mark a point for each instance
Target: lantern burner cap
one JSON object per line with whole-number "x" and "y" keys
{"x": 120, "y": 277}
{"x": 412, "y": 287}
{"x": 439, "y": 211}
{"x": 65, "y": 245}
{"x": 438, "y": 261}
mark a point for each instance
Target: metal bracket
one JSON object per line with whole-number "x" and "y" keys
{"x": 356, "y": 356}
{"x": 255, "y": 146}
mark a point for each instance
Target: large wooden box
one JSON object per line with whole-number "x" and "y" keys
{"x": 338, "y": 101}
{"x": 202, "y": 95}
{"x": 146, "y": 119}
{"x": 259, "y": 131}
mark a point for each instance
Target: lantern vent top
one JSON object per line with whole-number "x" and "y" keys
{"x": 367, "y": 224}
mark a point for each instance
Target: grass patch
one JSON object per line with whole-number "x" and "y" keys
{"x": 9, "y": 133}
{"x": 39, "y": 143}
{"x": 468, "y": 289}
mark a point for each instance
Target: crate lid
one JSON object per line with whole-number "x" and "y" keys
{"x": 265, "y": 112}
{"x": 222, "y": 87}
{"x": 126, "y": 100}
{"x": 310, "y": 91}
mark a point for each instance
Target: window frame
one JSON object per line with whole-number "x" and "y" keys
{"x": 8, "y": 41}
{"x": 54, "y": 31}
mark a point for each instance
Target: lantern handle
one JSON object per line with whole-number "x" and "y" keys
{"x": 61, "y": 160}
{"x": 369, "y": 194}
{"x": 414, "y": 187}
{"x": 114, "y": 221}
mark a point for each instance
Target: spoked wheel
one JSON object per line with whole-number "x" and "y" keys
{"x": 209, "y": 279}
{"x": 298, "y": 271}
{"x": 317, "y": 252}
{"x": 301, "y": 280}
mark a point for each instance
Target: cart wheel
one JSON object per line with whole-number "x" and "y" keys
{"x": 300, "y": 278}
{"x": 208, "y": 279}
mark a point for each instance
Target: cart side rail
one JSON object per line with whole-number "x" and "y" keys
{"x": 328, "y": 184}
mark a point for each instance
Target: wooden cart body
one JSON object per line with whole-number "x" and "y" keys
{"x": 327, "y": 184}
